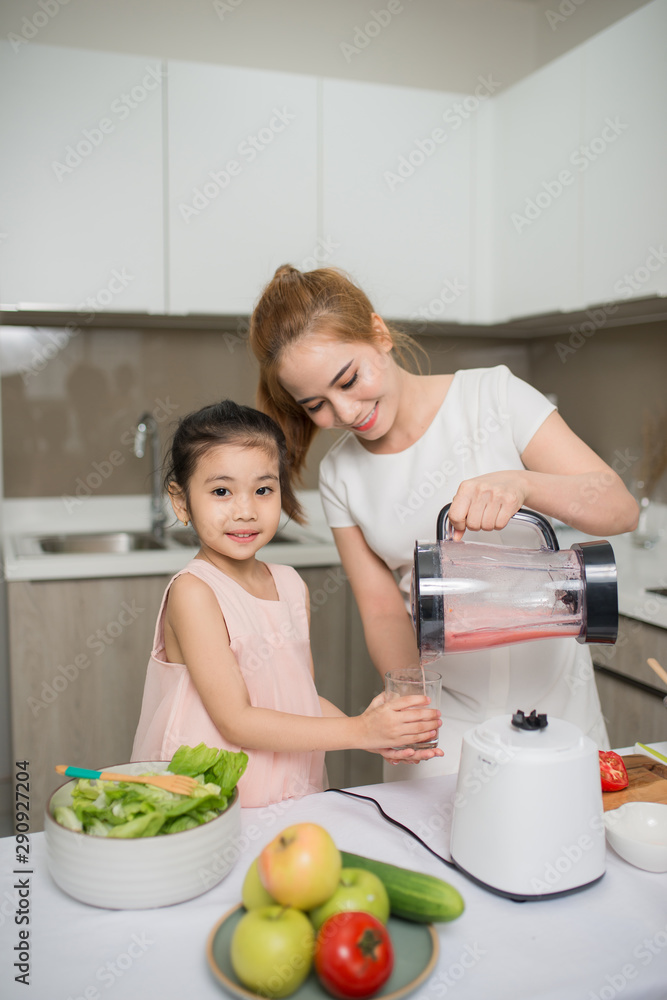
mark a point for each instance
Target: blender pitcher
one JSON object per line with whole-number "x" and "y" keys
{"x": 472, "y": 595}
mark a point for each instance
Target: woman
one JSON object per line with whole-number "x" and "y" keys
{"x": 482, "y": 439}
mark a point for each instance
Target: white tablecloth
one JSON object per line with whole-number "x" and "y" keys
{"x": 608, "y": 941}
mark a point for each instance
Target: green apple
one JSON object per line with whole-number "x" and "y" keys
{"x": 301, "y": 866}
{"x": 271, "y": 950}
{"x": 357, "y": 890}
{"x": 253, "y": 892}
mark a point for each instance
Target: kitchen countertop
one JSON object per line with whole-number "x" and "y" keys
{"x": 609, "y": 939}
{"x": 312, "y": 545}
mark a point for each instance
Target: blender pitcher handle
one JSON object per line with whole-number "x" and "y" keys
{"x": 444, "y": 530}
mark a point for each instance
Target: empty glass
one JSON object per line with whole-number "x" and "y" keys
{"x": 414, "y": 680}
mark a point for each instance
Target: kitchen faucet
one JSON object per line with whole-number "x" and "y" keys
{"x": 147, "y": 425}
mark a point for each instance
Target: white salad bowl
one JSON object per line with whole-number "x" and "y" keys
{"x": 638, "y": 832}
{"x": 145, "y": 872}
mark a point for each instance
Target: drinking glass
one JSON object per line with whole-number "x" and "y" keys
{"x": 414, "y": 680}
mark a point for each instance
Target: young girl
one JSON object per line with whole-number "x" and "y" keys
{"x": 231, "y": 663}
{"x": 481, "y": 439}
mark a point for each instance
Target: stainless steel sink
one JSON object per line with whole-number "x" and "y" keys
{"x": 103, "y": 542}
{"x": 109, "y": 542}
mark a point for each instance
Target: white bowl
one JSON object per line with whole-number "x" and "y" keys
{"x": 143, "y": 872}
{"x": 638, "y": 832}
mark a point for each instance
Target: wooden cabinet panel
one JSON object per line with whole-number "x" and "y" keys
{"x": 365, "y": 682}
{"x": 344, "y": 672}
{"x": 328, "y": 610}
{"x": 636, "y": 642}
{"x": 632, "y": 713}
{"x": 78, "y": 654}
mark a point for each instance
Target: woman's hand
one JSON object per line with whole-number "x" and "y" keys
{"x": 487, "y": 502}
{"x": 408, "y": 755}
{"x": 395, "y": 722}
{"x": 562, "y": 477}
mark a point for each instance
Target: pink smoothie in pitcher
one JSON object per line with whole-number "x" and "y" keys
{"x": 485, "y": 637}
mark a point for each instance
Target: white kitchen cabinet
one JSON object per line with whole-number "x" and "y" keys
{"x": 81, "y": 180}
{"x": 243, "y": 182}
{"x": 536, "y": 133}
{"x": 397, "y": 190}
{"x": 624, "y": 191}
{"x": 580, "y": 200}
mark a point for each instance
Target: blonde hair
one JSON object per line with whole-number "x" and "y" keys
{"x": 296, "y": 303}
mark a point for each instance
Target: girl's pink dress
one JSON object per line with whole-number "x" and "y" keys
{"x": 271, "y": 643}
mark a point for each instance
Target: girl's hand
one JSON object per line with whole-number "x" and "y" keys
{"x": 408, "y": 755}
{"x": 395, "y": 722}
{"x": 486, "y": 503}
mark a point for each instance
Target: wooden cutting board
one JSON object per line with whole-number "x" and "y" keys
{"x": 648, "y": 783}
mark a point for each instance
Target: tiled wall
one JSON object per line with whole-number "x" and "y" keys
{"x": 69, "y": 404}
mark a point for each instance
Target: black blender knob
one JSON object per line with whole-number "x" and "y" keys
{"x": 529, "y": 722}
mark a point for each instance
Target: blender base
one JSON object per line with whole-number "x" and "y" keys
{"x": 518, "y": 897}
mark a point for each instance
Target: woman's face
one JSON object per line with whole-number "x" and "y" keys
{"x": 352, "y": 385}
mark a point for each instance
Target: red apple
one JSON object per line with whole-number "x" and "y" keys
{"x": 301, "y": 866}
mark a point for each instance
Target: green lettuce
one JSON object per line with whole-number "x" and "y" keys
{"x": 220, "y": 767}
{"x": 120, "y": 809}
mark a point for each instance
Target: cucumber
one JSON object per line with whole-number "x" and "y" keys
{"x": 412, "y": 895}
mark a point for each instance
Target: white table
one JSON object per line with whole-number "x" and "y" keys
{"x": 607, "y": 941}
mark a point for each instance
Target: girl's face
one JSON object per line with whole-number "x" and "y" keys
{"x": 233, "y": 500}
{"x": 352, "y": 385}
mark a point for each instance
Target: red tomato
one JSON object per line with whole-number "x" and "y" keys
{"x": 612, "y": 771}
{"x": 354, "y": 956}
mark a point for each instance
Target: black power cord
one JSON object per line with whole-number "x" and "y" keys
{"x": 450, "y": 864}
{"x": 395, "y": 822}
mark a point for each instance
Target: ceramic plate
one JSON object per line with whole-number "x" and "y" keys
{"x": 415, "y": 955}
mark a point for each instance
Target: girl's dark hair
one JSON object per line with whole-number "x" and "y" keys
{"x": 228, "y": 422}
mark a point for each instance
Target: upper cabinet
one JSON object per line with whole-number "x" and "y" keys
{"x": 579, "y": 199}
{"x": 536, "y": 184}
{"x": 624, "y": 191}
{"x": 132, "y": 185}
{"x": 397, "y": 189}
{"x": 243, "y": 183}
{"x": 81, "y": 180}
